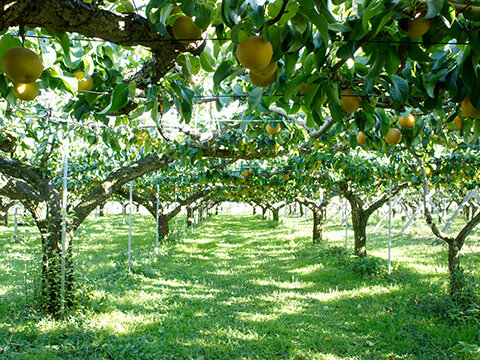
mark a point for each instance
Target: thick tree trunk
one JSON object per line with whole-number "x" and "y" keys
{"x": 275, "y": 213}
{"x": 456, "y": 282}
{"x": 49, "y": 222}
{"x": 300, "y": 209}
{"x": 318, "y": 220}
{"x": 254, "y": 212}
{"x": 264, "y": 212}
{"x": 359, "y": 222}
{"x": 163, "y": 229}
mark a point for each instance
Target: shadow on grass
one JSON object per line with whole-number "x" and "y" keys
{"x": 238, "y": 291}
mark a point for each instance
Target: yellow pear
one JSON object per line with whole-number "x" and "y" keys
{"x": 418, "y": 26}
{"x": 266, "y": 71}
{"x": 22, "y": 65}
{"x": 393, "y": 136}
{"x": 361, "y": 138}
{"x": 271, "y": 130}
{"x": 349, "y": 101}
{"x": 468, "y": 109}
{"x": 261, "y": 81}
{"x": 254, "y": 52}
{"x": 185, "y": 30}
{"x": 26, "y": 92}
{"x": 83, "y": 84}
{"x": 406, "y": 122}
{"x": 458, "y": 122}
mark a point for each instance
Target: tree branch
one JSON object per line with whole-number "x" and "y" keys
{"x": 428, "y": 215}
{"x": 315, "y": 134}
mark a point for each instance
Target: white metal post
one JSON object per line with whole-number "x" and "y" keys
{"x": 346, "y": 224}
{"x": 176, "y": 218}
{"x": 157, "y": 219}
{"x": 389, "y": 226}
{"x": 64, "y": 223}
{"x": 15, "y": 236}
{"x": 130, "y": 228}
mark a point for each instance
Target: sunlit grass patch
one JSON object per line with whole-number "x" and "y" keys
{"x": 237, "y": 287}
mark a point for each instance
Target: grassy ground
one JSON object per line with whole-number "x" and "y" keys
{"x": 238, "y": 287}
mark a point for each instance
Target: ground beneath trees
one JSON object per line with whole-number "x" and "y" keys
{"x": 238, "y": 287}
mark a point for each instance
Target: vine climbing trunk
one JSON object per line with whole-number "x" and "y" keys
{"x": 456, "y": 282}
{"x": 47, "y": 215}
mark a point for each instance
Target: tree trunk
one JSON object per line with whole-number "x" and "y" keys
{"x": 163, "y": 229}
{"x": 359, "y": 222}
{"x": 216, "y": 210}
{"x": 318, "y": 220}
{"x": 300, "y": 209}
{"x": 101, "y": 210}
{"x": 49, "y": 222}
{"x": 189, "y": 216}
{"x": 456, "y": 282}
{"x": 275, "y": 213}
{"x": 264, "y": 212}
{"x": 254, "y": 212}
{"x": 4, "y": 218}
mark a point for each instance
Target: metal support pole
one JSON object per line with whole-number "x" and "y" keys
{"x": 176, "y": 218}
{"x": 64, "y": 224}
{"x": 346, "y": 224}
{"x": 130, "y": 228}
{"x": 389, "y": 226}
{"x": 157, "y": 219}
{"x": 15, "y": 236}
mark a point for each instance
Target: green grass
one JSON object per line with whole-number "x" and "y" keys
{"x": 237, "y": 287}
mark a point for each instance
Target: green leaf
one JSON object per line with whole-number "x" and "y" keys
{"x": 254, "y": 98}
{"x": 434, "y": 8}
{"x": 223, "y": 71}
{"x": 400, "y": 90}
{"x": 119, "y": 99}
{"x": 373, "y": 9}
{"x": 204, "y": 15}
{"x": 385, "y": 19}
{"x": 207, "y": 61}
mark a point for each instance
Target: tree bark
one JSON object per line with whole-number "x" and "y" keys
{"x": 456, "y": 283}
{"x": 189, "y": 216}
{"x": 361, "y": 213}
{"x": 4, "y": 207}
{"x": 101, "y": 210}
{"x": 275, "y": 214}
{"x": 359, "y": 223}
{"x": 163, "y": 228}
{"x": 318, "y": 220}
